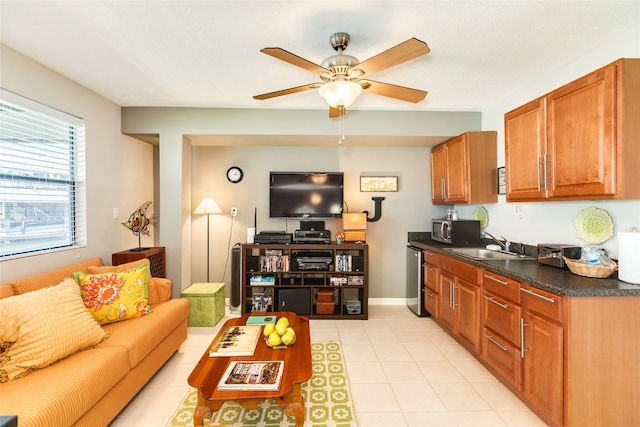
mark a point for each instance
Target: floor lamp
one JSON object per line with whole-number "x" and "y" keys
{"x": 207, "y": 207}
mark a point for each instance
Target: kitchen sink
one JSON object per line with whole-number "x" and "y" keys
{"x": 486, "y": 254}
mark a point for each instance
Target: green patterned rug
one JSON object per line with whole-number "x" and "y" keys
{"x": 326, "y": 395}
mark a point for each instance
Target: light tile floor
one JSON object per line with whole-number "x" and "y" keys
{"x": 403, "y": 371}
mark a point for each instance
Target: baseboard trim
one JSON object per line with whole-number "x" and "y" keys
{"x": 387, "y": 301}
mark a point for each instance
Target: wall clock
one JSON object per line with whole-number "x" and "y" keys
{"x": 234, "y": 174}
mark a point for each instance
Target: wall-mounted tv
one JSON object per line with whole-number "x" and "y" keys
{"x": 306, "y": 194}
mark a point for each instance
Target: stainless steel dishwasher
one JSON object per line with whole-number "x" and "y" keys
{"x": 415, "y": 281}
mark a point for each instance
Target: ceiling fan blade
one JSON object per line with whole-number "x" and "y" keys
{"x": 392, "y": 91}
{"x": 291, "y": 58}
{"x": 336, "y": 112}
{"x": 398, "y": 54}
{"x": 286, "y": 91}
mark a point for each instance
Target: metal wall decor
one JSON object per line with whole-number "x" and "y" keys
{"x": 502, "y": 181}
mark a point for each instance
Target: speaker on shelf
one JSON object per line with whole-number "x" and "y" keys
{"x": 253, "y": 263}
{"x": 312, "y": 225}
{"x": 357, "y": 263}
{"x": 236, "y": 264}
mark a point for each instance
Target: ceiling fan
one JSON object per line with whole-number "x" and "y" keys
{"x": 344, "y": 77}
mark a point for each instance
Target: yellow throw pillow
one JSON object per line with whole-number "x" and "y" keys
{"x": 113, "y": 297}
{"x": 41, "y": 327}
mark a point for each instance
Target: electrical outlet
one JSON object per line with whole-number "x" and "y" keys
{"x": 234, "y": 211}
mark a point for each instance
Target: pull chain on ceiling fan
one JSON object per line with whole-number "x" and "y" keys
{"x": 342, "y": 75}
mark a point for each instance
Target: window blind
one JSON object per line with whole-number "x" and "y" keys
{"x": 42, "y": 178}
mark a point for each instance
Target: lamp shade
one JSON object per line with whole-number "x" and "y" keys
{"x": 340, "y": 93}
{"x": 207, "y": 206}
{"x": 354, "y": 221}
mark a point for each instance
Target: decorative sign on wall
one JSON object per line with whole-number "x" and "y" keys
{"x": 379, "y": 183}
{"x": 502, "y": 181}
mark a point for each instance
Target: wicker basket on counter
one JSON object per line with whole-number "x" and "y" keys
{"x": 597, "y": 271}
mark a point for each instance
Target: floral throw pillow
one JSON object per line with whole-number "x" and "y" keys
{"x": 115, "y": 296}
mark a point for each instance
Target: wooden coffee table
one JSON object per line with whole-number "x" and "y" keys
{"x": 297, "y": 369}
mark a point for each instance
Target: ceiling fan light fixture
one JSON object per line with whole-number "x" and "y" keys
{"x": 340, "y": 93}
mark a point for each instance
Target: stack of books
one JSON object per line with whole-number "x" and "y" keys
{"x": 252, "y": 376}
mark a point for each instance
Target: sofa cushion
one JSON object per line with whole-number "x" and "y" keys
{"x": 40, "y": 327}
{"x": 51, "y": 277}
{"x": 62, "y": 393}
{"x": 140, "y": 336}
{"x": 152, "y": 296}
{"x": 113, "y": 297}
{"x": 6, "y": 291}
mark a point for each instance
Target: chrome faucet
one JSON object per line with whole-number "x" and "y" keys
{"x": 504, "y": 243}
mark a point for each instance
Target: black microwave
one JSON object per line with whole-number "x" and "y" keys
{"x": 456, "y": 232}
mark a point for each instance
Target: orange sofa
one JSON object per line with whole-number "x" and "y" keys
{"x": 90, "y": 387}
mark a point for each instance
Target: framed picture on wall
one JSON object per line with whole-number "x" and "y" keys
{"x": 378, "y": 183}
{"x": 502, "y": 181}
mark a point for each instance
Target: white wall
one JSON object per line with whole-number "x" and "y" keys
{"x": 551, "y": 222}
{"x": 119, "y": 169}
{"x": 408, "y": 209}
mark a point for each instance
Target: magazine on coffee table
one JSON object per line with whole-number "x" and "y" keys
{"x": 236, "y": 341}
{"x": 252, "y": 375}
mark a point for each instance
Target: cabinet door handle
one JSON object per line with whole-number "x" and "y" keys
{"x": 535, "y": 294}
{"x": 538, "y": 170}
{"x": 522, "y": 348}
{"x": 502, "y": 282}
{"x": 493, "y": 340}
{"x": 453, "y": 294}
{"x": 431, "y": 268}
{"x": 442, "y": 188}
{"x": 496, "y": 302}
{"x": 544, "y": 166}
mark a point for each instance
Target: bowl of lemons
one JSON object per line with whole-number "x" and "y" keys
{"x": 279, "y": 334}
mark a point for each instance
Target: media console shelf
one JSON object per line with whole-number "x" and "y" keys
{"x": 321, "y": 281}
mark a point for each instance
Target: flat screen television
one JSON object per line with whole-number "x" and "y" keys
{"x": 306, "y": 194}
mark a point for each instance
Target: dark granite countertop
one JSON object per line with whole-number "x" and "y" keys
{"x": 561, "y": 282}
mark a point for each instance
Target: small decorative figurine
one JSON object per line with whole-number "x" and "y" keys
{"x": 138, "y": 223}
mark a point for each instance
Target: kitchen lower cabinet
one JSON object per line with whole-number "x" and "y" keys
{"x": 572, "y": 360}
{"x": 502, "y": 321}
{"x": 459, "y": 301}
{"x": 543, "y": 365}
{"x": 431, "y": 283}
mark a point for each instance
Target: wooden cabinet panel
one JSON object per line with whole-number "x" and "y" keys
{"x": 503, "y": 356}
{"x": 438, "y": 174}
{"x": 447, "y": 294}
{"x": 501, "y": 285}
{"x": 155, "y": 255}
{"x": 578, "y": 142}
{"x": 460, "y": 269}
{"x": 459, "y": 305}
{"x": 581, "y": 136}
{"x": 432, "y": 302}
{"x": 545, "y": 303}
{"x": 457, "y": 169}
{"x": 468, "y": 313}
{"x": 544, "y": 366}
{"x": 525, "y": 152}
{"x": 463, "y": 169}
{"x": 502, "y": 316}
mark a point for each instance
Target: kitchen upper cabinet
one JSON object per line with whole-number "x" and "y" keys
{"x": 463, "y": 169}
{"x": 579, "y": 141}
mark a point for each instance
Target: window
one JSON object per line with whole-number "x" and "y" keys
{"x": 42, "y": 183}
